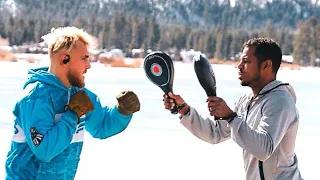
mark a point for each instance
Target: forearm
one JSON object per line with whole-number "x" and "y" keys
{"x": 205, "y": 129}
{"x": 105, "y": 122}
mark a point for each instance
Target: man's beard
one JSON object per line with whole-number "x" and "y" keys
{"x": 254, "y": 79}
{"x": 75, "y": 80}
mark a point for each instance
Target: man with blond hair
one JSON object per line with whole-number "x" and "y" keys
{"x": 56, "y": 108}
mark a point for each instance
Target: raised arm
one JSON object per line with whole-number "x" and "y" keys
{"x": 105, "y": 121}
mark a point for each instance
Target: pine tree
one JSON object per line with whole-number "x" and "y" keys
{"x": 134, "y": 31}
{"x": 219, "y": 44}
{"x": 301, "y": 47}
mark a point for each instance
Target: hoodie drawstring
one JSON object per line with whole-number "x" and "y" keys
{"x": 68, "y": 95}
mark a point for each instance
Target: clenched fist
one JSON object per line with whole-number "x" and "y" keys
{"x": 128, "y": 102}
{"x": 80, "y": 103}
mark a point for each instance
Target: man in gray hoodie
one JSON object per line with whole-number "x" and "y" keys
{"x": 264, "y": 123}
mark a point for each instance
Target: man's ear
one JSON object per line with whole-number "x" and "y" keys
{"x": 267, "y": 63}
{"x": 64, "y": 59}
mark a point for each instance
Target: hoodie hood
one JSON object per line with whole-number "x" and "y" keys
{"x": 271, "y": 86}
{"x": 42, "y": 75}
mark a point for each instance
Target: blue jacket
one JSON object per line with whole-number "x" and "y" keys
{"x": 47, "y": 140}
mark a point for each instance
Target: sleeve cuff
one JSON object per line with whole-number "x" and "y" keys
{"x": 235, "y": 122}
{"x": 116, "y": 112}
{"x": 187, "y": 114}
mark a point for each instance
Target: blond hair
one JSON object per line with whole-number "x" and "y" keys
{"x": 64, "y": 39}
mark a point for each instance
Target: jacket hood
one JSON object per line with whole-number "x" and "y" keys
{"x": 42, "y": 75}
{"x": 271, "y": 86}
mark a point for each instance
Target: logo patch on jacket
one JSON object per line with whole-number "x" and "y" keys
{"x": 36, "y": 136}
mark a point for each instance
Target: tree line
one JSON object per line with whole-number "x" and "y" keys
{"x": 219, "y": 33}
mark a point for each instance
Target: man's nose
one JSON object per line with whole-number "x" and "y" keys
{"x": 240, "y": 65}
{"x": 88, "y": 65}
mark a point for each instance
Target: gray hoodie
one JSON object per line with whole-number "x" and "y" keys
{"x": 266, "y": 129}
